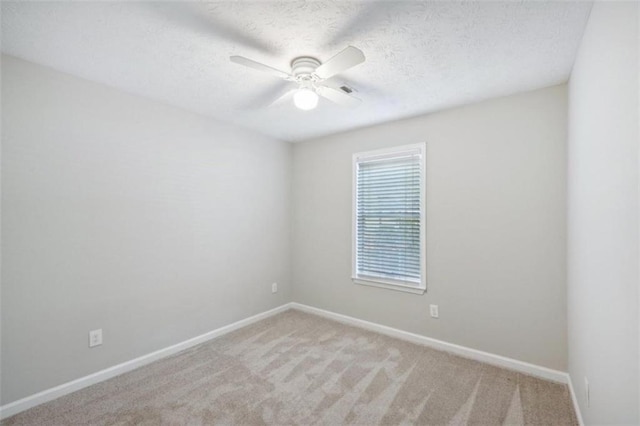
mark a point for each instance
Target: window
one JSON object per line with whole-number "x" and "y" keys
{"x": 389, "y": 218}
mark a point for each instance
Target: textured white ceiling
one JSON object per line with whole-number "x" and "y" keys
{"x": 421, "y": 55}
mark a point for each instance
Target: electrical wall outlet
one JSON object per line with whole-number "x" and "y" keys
{"x": 95, "y": 338}
{"x": 274, "y": 288}
{"x": 433, "y": 310}
{"x": 587, "y": 394}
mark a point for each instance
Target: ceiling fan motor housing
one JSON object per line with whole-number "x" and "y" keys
{"x": 302, "y": 68}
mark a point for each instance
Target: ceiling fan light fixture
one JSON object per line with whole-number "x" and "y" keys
{"x": 305, "y": 99}
{"x": 310, "y": 74}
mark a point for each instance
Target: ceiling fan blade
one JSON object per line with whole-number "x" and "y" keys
{"x": 349, "y": 57}
{"x": 358, "y": 86}
{"x": 263, "y": 98}
{"x": 206, "y": 19}
{"x": 283, "y": 98}
{"x": 260, "y": 67}
{"x": 338, "y": 97}
{"x": 367, "y": 17}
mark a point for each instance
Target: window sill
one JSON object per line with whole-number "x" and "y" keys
{"x": 396, "y": 287}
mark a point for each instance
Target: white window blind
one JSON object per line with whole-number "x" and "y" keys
{"x": 389, "y": 217}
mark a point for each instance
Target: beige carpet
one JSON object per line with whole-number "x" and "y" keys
{"x": 296, "y": 368}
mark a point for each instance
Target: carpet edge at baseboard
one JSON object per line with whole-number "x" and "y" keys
{"x": 486, "y": 357}
{"x": 63, "y": 389}
{"x": 466, "y": 352}
{"x": 50, "y": 394}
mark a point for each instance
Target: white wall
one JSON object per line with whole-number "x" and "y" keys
{"x": 152, "y": 223}
{"x": 603, "y": 216}
{"x": 496, "y": 210}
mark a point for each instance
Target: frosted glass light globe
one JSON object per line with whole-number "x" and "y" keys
{"x": 305, "y": 99}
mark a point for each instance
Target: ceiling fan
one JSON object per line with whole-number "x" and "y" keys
{"x": 311, "y": 77}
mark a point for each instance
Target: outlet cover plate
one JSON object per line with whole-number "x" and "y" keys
{"x": 433, "y": 310}
{"x": 95, "y": 338}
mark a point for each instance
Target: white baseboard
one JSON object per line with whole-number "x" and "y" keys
{"x": 15, "y": 407}
{"x": 489, "y": 358}
{"x": 574, "y": 399}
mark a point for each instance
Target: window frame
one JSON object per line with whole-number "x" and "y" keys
{"x": 380, "y": 154}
